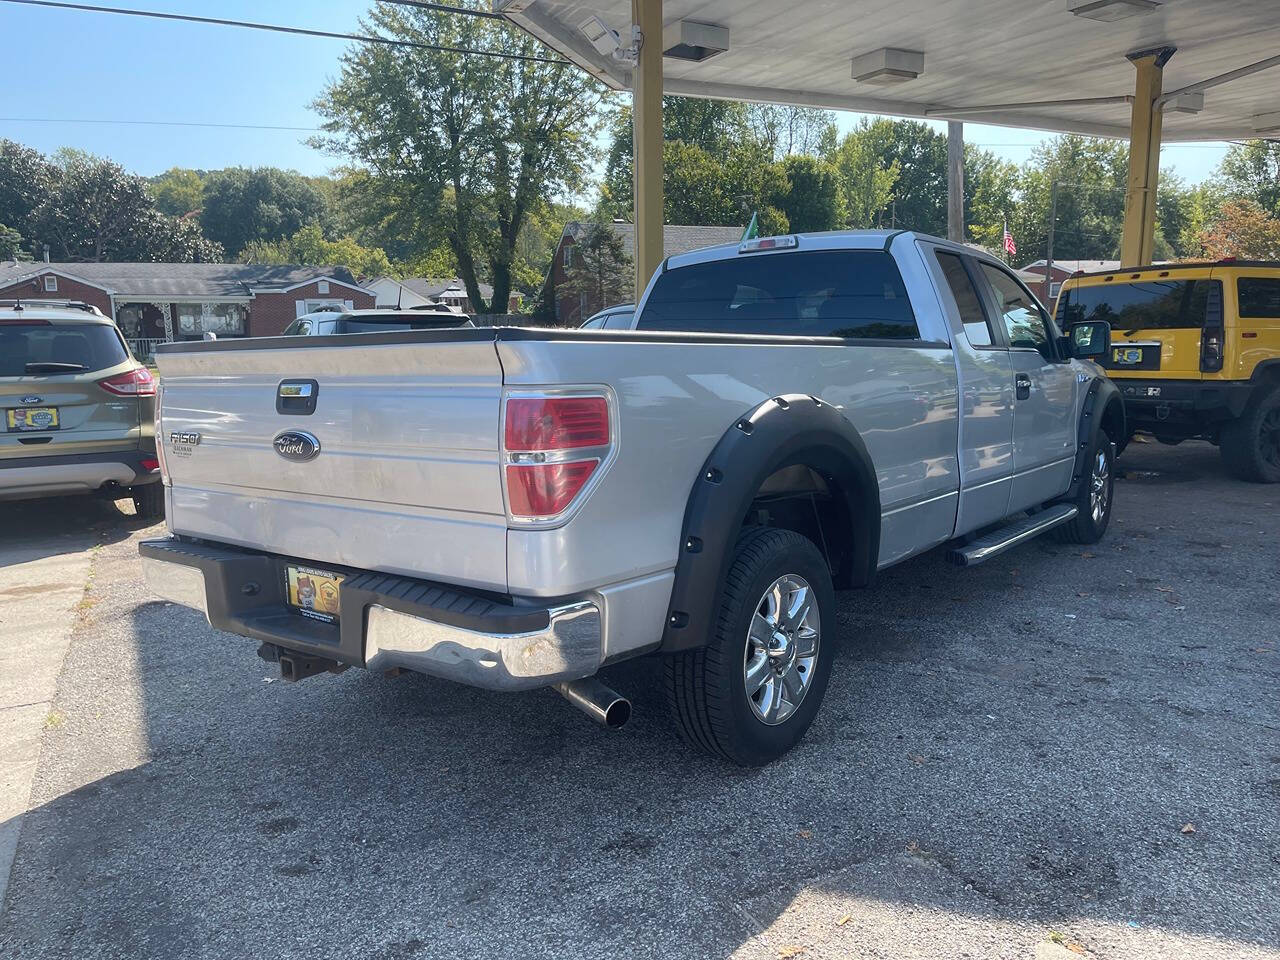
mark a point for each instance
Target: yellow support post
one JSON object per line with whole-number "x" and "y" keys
{"x": 646, "y": 116}
{"x": 1138, "y": 246}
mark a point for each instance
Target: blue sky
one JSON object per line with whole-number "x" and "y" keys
{"x": 76, "y": 66}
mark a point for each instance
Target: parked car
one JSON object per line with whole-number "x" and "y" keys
{"x": 1196, "y": 353}
{"x": 327, "y": 322}
{"x": 78, "y": 410}
{"x": 611, "y": 318}
{"x": 514, "y": 508}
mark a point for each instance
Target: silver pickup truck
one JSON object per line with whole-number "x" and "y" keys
{"x": 516, "y": 508}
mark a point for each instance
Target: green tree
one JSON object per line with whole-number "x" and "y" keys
{"x": 1092, "y": 174}
{"x": 813, "y": 199}
{"x": 11, "y": 244}
{"x": 178, "y": 191}
{"x": 264, "y": 203}
{"x": 866, "y": 182}
{"x": 919, "y": 200}
{"x": 990, "y": 194}
{"x": 471, "y": 144}
{"x": 309, "y": 246}
{"x": 784, "y": 130}
{"x": 97, "y": 211}
{"x": 26, "y": 180}
{"x": 602, "y": 270}
{"x": 1252, "y": 171}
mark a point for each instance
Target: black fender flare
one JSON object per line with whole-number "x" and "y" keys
{"x": 1102, "y": 403}
{"x": 780, "y": 432}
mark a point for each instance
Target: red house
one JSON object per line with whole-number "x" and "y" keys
{"x": 157, "y": 302}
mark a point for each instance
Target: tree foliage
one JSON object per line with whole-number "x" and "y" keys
{"x": 89, "y": 208}
{"x": 309, "y": 246}
{"x": 461, "y": 148}
{"x": 1243, "y": 229}
{"x": 241, "y": 205}
{"x": 178, "y": 191}
{"x": 813, "y": 199}
{"x": 602, "y": 270}
{"x": 1252, "y": 171}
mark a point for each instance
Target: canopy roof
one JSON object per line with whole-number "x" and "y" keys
{"x": 977, "y": 53}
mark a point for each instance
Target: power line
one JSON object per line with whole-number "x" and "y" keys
{"x": 162, "y": 123}
{"x": 448, "y": 8}
{"x": 278, "y": 28}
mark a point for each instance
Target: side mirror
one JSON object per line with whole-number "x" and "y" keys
{"x": 1090, "y": 340}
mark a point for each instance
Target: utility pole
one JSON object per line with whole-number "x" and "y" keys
{"x": 1048, "y": 260}
{"x": 955, "y": 181}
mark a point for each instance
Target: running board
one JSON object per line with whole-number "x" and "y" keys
{"x": 1010, "y": 535}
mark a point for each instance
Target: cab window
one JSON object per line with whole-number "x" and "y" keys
{"x": 855, "y": 294}
{"x": 976, "y": 326}
{"x": 1023, "y": 321}
{"x": 299, "y": 328}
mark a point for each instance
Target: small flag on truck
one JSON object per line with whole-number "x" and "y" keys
{"x": 753, "y": 229}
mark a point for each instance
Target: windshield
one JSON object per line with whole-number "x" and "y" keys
{"x": 392, "y": 322}
{"x": 1152, "y": 305}
{"x": 839, "y": 293}
{"x": 39, "y": 348}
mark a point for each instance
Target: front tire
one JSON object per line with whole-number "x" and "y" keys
{"x": 752, "y": 692}
{"x": 1251, "y": 445}
{"x": 1095, "y": 497}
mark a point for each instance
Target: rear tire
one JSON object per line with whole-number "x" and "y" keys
{"x": 148, "y": 501}
{"x": 1251, "y": 445}
{"x": 1095, "y": 497}
{"x": 761, "y": 638}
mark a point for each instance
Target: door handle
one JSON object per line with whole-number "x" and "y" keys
{"x": 1022, "y": 386}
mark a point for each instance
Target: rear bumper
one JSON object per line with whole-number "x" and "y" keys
{"x": 51, "y": 476}
{"x": 1149, "y": 403}
{"x": 387, "y": 622}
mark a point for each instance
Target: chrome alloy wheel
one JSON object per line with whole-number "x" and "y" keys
{"x": 1100, "y": 484}
{"x": 782, "y": 649}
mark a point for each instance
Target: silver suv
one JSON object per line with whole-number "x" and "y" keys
{"x": 77, "y": 411}
{"x": 328, "y": 322}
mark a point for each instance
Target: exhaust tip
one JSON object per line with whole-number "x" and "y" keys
{"x": 602, "y": 704}
{"x": 617, "y": 713}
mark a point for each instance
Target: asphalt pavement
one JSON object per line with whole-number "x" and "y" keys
{"x": 1066, "y": 751}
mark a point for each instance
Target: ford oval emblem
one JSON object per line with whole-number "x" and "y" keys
{"x": 28, "y": 401}
{"x": 296, "y": 445}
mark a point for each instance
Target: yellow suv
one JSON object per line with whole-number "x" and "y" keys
{"x": 1195, "y": 351}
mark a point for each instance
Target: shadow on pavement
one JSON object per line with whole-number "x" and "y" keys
{"x": 31, "y": 529}
{"x": 1003, "y": 751}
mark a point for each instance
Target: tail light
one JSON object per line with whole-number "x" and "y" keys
{"x": 552, "y": 446}
{"x": 135, "y": 383}
{"x": 1213, "y": 338}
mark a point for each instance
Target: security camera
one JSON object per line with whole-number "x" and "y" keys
{"x": 602, "y": 36}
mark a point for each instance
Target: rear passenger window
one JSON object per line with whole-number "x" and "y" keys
{"x": 855, "y": 294}
{"x": 976, "y": 327}
{"x": 1259, "y": 297}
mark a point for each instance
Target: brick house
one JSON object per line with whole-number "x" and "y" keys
{"x": 156, "y": 302}
{"x": 571, "y": 309}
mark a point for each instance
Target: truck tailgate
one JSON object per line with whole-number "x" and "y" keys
{"x": 407, "y": 479}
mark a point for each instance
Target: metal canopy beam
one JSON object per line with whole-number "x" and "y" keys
{"x": 1046, "y": 68}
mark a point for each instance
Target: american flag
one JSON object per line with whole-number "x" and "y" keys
{"x": 1010, "y": 247}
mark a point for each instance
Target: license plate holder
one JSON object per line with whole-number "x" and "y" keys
{"x": 32, "y": 419}
{"x": 1126, "y": 356}
{"x": 313, "y": 593}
